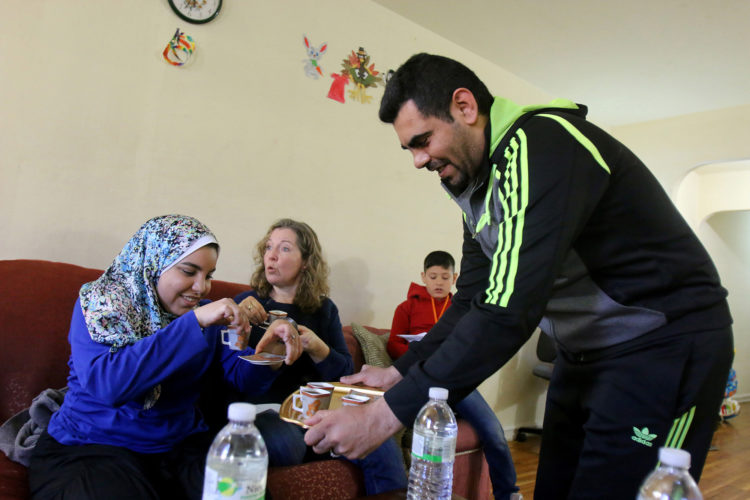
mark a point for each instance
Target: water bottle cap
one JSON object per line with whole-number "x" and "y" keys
{"x": 241, "y": 412}
{"x": 674, "y": 457}
{"x": 439, "y": 393}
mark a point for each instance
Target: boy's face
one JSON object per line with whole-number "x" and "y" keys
{"x": 439, "y": 281}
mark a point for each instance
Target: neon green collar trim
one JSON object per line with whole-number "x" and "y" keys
{"x": 505, "y": 112}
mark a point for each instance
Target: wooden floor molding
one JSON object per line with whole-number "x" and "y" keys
{"x": 725, "y": 475}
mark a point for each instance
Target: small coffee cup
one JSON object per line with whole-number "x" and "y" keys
{"x": 355, "y": 392}
{"x": 276, "y": 314}
{"x": 232, "y": 339}
{"x": 326, "y": 386}
{"x": 309, "y": 400}
{"x": 323, "y": 386}
{"x": 354, "y": 400}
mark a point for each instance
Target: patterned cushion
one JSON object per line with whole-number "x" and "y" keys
{"x": 373, "y": 346}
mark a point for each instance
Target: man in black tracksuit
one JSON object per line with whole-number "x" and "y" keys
{"x": 564, "y": 228}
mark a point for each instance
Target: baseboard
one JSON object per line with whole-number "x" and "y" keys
{"x": 741, "y": 398}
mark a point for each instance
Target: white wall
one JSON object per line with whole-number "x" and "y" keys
{"x": 99, "y": 133}
{"x": 727, "y": 234}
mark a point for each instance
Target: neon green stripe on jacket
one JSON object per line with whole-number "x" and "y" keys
{"x": 585, "y": 142}
{"x": 513, "y": 194}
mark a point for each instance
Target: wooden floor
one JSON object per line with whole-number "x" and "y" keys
{"x": 726, "y": 475}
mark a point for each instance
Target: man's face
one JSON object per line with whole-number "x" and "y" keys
{"x": 448, "y": 148}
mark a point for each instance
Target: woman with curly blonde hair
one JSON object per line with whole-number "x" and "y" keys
{"x": 292, "y": 276}
{"x": 313, "y": 286}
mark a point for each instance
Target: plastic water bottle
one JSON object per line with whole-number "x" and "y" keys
{"x": 237, "y": 462}
{"x": 433, "y": 449}
{"x": 671, "y": 480}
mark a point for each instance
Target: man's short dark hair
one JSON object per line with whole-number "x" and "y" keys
{"x": 429, "y": 81}
{"x": 439, "y": 258}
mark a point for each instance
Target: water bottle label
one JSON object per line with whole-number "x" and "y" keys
{"x": 431, "y": 449}
{"x": 226, "y": 487}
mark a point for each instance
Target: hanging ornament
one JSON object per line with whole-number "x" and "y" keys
{"x": 179, "y": 49}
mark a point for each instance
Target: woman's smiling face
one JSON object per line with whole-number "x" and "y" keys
{"x": 182, "y": 286}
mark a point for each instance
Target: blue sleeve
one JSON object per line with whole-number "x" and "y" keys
{"x": 118, "y": 377}
{"x": 339, "y": 361}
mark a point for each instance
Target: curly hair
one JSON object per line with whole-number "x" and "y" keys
{"x": 313, "y": 284}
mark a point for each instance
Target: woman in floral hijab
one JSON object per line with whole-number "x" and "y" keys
{"x": 143, "y": 342}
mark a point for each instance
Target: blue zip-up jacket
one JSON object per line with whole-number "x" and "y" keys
{"x": 567, "y": 229}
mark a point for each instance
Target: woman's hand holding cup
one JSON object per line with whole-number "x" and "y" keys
{"x": 222, "y": 312}
{"x": 281, "y": 331}
{"x": 254, "y": 310}
{"x": 225, "y": 312}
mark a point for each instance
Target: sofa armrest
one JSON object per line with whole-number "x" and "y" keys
{"x": 355, "y": 349}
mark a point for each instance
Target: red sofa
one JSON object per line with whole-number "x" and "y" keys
{"x": 38, "y": 297}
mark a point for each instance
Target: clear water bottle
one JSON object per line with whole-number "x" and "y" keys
{"x": 433, "y": 449}
{"x": 237, "y": 462}
{"x": 671, "y": 480}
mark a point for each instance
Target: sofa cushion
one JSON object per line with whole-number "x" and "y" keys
{"x": 373, "y": 345}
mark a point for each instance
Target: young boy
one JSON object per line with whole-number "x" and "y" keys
{"x": 424, "y": 304}
{"x": 417, "y": 314}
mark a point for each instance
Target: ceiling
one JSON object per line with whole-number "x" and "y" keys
{"x": 629, "y": 61}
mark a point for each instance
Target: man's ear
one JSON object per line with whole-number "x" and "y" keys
{"x": 465, "y": 105}
{"x": 455, "y": 277}
{"x": 423, "y": 278}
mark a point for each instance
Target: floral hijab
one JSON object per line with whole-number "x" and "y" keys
{"x": 122, "y": 307}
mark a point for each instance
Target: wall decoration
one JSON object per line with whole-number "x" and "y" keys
{"x": 196, "y": 11}
{"x": 312, "y": 64}
{"x": 358, "y": 69}
{"x": 179, "y": 49}
{"x": 337, "y": 87}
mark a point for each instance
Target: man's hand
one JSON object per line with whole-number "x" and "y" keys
{"x": 352, "y": 431}
{"x": 373, "y": 376}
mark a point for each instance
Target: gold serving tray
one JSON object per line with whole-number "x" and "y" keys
{"x": 288, "y": 414}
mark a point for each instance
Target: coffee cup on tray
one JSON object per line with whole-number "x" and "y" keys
{"x": 354, "y": 399}
{"x": 309, "y": 400}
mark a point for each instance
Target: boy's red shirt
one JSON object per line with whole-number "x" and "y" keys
{"x": 415, "y": 315}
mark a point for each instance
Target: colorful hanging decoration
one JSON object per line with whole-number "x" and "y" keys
{"x": 337, "y": 87}
{"x": 312, "y": 63}
{"x": 358, "y": 69}
{"x": 179, "y": 49}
